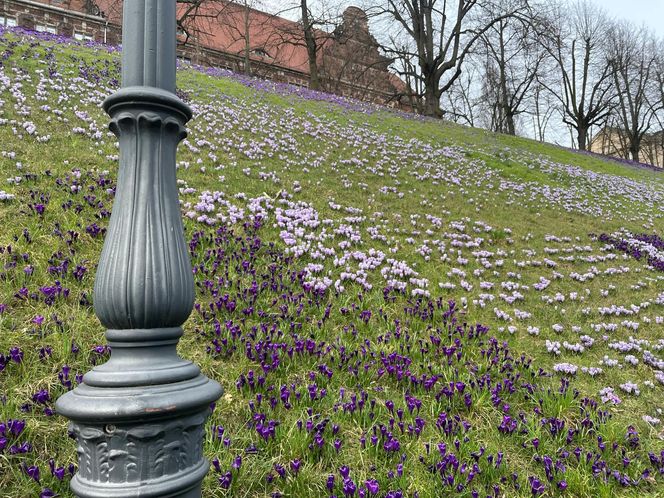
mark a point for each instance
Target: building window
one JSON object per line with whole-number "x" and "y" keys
{"x": 46, "y": 29}
{"x": 82, "y": 37}
{"x": 7, "y": 21}
{"x": 260, "y": 53}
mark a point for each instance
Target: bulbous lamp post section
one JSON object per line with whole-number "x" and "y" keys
{"x": 138, "y": 420}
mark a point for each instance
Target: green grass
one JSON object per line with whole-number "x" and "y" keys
{"x": 345, "y": 157}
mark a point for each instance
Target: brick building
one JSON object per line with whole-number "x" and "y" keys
{"x": 80, "y": 19}
{"x": 239, "y": 38}
{"x": 611, "y": 141}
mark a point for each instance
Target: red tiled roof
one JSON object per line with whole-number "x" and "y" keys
{"x": 221, "y": 25}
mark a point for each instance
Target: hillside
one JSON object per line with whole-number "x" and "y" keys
{"x": 394, "y": 306}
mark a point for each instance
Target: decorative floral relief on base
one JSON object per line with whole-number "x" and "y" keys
{"x": 126, "y": 454}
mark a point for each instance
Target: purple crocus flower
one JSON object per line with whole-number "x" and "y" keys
{"x": 537, "y": 487}
{"x": 57, "y": 472}
{"x": 45, "y": 352}
{"x": 20, "y": 448}
{"x": 79, "y": 272}
{"x": 372, "y": 486}
{"x": 15, "y": 427}
{"x": 42, "y": 397}
{"x": 225, "y": 480}
{"x": 349, "y": 487}
{"x": 31, "y": 471}
{"x": 16, "y": 354}
{"x": 279, "y": 469}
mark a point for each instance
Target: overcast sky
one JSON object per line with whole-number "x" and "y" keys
{"x": 640, "y": 12}
{"x": 648, "y": 12}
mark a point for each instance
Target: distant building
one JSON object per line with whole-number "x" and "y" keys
{"x": 233, "y": 36}
{"x": 79, "y": 19}
{"x": 611, "y": 141}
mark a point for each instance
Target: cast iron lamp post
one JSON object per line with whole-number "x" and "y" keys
{"x": 138, "y": 420}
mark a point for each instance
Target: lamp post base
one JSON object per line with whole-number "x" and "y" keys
{"x": 139, "y": 420}
{"x": 140, "y": 442}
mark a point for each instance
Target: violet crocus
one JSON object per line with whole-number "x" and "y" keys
{"x": 16, "y": 354}
{"x": 15, "y": 427}
{"x": 32, "y": 471}
{"x": 42, "y": 397}
{"x": 372, "y": 486}
{"x": 57, "y": 472}
{"x": 225, "y": 480}
{"x": 536, "y": 486}
{"x": 349, "y": 487}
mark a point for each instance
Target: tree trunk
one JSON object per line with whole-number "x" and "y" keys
{"x": 310, "y": 42}
{"x": 538, "y": 116}
{"x": 507, "y": 121}
{"x": 582, "y": 137}
{"x": 635, "y": 150}
{"x": 247, "y": 41}
{"x": 432, "y": 101}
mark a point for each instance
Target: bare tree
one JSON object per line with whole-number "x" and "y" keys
{"x": 512, "y": 61}
{"x": 312, "y": 32}
{"x": 352, "y": 63}
{"x": 576, "y": 39}
{"x": 659, "y": 72}
{"x": 195, "y": 18}
{"x": 311, "y": 43}
{"x": 659, "y": 96}
{"x": 633, "y": 57}
{"x": 238, "y": 22}
{"x": 441, "y": 35}
{"x": 542, "y": 109}
{"x": 405, "y": 64}
{"x": 461, "y": 102}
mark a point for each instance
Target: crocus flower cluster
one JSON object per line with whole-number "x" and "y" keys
{"x": 392, "y": 313}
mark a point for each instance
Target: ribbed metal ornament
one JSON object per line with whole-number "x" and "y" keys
{"x": 138, "y": 419}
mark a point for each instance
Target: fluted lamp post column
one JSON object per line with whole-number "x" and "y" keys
{"x": 138, "y": 419}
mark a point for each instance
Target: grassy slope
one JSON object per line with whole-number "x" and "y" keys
{"x": 346, "y": 157}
